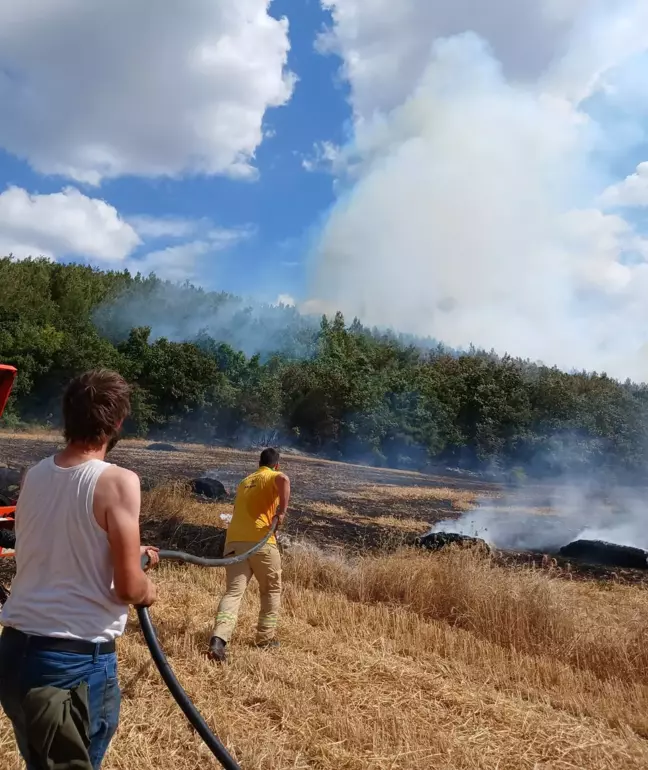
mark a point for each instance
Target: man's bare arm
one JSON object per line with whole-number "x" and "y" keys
{"x": 117, "y": 508}
{"x": 283, "y": 487}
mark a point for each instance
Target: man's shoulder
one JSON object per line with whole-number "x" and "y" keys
{"x": 118, "y": 492}
{"x": 33, "y": 470}
{"x": 271, "y": 473}
{"x": 246, "y": 481}
{"x": 119, "y": 470}
{"x": 122, "y": 477}
{"x": 46, "y": 462}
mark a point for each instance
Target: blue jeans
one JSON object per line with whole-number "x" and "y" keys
{"x": 22, "y": 669}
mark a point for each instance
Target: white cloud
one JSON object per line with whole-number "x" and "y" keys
{"x": 175, "y": 263}
{"x": 324, "y": 157}
{"x": 163, "y": 227}
{"x": 63, "y": 224}
{"x": 604, "y": 35}
{"x": 70, "y": 225}
{"x": 99, "y": 90}
{"x": 386, "y": 46}
{"x": 471, "y": 211}
{"x": 632, "y": 191}
{"x": 224, "y": 238}
{"x": 186, "y": 261}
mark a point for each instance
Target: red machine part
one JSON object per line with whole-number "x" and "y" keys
{"x": 7, "y": 377}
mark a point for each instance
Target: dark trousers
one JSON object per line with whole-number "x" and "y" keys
{"x": 24, "y": 667}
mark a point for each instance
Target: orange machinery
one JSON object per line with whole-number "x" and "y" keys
{"x": 7, "y": 377}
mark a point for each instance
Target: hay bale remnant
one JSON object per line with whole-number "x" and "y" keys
{"x": 435, "y": 541}
{"x": 208, "y": 486}
{"x": 606, "y": 554}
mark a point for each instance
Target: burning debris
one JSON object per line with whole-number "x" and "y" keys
{"x": 435, "y": 541}
{"x": 587, "y": 552}
{"x": 581, "y": 526}
{"x": 606, "y": 554}
{"x": 209, "y": 487}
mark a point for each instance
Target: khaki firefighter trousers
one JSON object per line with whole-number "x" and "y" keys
{"x": 265, "y": 566}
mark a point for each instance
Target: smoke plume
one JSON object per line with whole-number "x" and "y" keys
{"x": 545, "y": 519}
{"x": 473, "y": 207}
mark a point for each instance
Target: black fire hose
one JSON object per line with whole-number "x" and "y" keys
{"x": 175, "y": 688}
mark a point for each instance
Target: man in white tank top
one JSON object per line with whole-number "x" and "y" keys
{"x": 78, "y": 567}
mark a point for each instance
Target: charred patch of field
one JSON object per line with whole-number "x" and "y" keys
{"x": 570, "y": 569}
{"x": 336, "y": 505}
{"x": 333, "y": 503}
{"x": 402, "y": 659}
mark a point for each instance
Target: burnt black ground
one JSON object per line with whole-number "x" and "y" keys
{"x": 315, "y": 482}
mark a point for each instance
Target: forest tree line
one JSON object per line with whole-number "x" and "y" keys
{"x": 207, "y": 367}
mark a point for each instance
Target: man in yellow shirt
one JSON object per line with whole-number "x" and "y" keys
{"x": 260, "y": 497}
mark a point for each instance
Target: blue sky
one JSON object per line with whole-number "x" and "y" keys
{"x": 411, "y": 163}
{"x": 281, "y": 205}
{"x": 285, "y": 200}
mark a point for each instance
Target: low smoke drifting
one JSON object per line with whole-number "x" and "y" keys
{"x": 532, "y": 520}
{"x": 185, "y": 314}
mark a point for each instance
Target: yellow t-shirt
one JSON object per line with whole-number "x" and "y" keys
{"x": 257, "y": 500}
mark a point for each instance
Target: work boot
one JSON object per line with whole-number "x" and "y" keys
{"x": 272, "y": 644}
{"x": 217, "y": 650}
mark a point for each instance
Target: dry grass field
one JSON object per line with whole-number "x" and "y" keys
{"x": 391, "y": 659}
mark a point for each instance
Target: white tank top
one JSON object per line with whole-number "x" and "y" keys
{"x": 64, "y": 575}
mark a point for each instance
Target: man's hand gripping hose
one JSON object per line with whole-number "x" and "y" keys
{"x": 159, "y": 658}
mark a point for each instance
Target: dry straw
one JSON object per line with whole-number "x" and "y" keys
{"x": 399, "y": 661}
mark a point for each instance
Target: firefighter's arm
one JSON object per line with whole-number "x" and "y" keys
{"x": 117, "y": 508}
{"x": 283, "y": 487}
